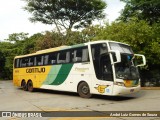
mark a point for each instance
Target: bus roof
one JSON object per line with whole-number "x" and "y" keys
{"x": 53, "y": 49}
{"x": 100, "y": 41}
{"x": 45, "y": 51}
{"x": 66, "y": 47}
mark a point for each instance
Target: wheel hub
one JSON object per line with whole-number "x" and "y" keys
{"x": 85, "y": 89}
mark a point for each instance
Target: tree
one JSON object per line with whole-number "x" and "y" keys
{"x": 30, "y": 44}
{"x": 148, "y": 10}
{"x": 66, "y": 13}
{"x": 49, "y": 40}
{"x": 143, "y": 38}
{"x": 6, "y": 48}
{"x": 2, "y": 61}
{"x": 15, "y": 37}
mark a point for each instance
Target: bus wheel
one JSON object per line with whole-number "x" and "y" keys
{"x": 83, "y": 90}
{"x": 24, "y": 85}
{"x": 30, "y": 86}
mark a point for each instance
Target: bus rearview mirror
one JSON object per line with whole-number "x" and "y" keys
{"x": 140, "y": 60}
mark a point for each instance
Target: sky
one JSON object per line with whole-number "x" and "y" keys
{"x": 13, "y": 18}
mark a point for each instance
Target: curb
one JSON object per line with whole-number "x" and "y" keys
{"x": 150, "y": 88}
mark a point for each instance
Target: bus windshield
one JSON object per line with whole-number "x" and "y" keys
{"x": 126, "y": 69}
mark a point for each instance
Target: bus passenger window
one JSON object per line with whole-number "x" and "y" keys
{"x": 46, "y": 59}
{"x": 16, "y": 63}
{"x": 85, "y": 55}
{"x": 24, "y": 62}
{"x": 52, "y": 58}
{"x": 61, "y": 57}
{"x": 39, "y": 60}
{"x": 77, "y": 55}
{"x": 80, "y": 55}
{"x": 31, "y": 61}
{"x": 20, "y": 63}
{"x": 68, "y": 57}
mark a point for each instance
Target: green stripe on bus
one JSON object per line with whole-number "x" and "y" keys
{"x": 62, "y": 74}
{"x": 78, "y": 45}
{"x": 52, "y": 74}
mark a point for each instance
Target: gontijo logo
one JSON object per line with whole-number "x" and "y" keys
{"x": 35, "y": 70}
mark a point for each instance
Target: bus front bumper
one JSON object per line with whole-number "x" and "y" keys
{"x": 122, "y": 90}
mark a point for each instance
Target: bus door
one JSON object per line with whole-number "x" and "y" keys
{"x": 103, "y": 69}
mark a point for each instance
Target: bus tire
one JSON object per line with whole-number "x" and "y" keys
{"x": 30, "y": 86}
{"x": 83, "y": 90}
{"x": 24, "y": 85}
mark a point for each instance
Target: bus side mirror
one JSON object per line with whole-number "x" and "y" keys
{"x": 140, "y": 59}
{"x": 116, "y": 57}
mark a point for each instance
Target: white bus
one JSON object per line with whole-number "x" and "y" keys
{"x": 100, "y": 67}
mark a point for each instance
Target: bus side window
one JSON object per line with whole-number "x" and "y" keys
{"x": 85, "y": 55}
{"x": 20, "y": 63}
{"x": 62, "y": 57}
{"x": 68, "y": 57}
{"x": 24, "y": 62}
{"x": 52, "y": 58}
{"x": 46, "y": 58}
{"x": 16, "y": 64}
{"x": 31, "y": 61}
{"x": 39, "y": 60}
{"x": 77, "y": 55}
{"x": 80, "y": 55}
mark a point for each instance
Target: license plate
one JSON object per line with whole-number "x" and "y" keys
{"x": 132, "y": 90}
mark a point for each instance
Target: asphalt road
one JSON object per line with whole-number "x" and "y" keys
{"x": 15, "y": 99}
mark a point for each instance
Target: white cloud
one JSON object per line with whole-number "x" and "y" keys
{"x": 13, "y": 19}
{"x": 113, "y": 9}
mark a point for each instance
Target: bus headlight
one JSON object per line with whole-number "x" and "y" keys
{"x": 119, "y": 83}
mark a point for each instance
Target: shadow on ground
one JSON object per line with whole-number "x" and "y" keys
{"x": 102, "y": 97}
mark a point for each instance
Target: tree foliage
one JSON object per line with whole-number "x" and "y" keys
{"x": 138, "y": 27}
{"x": 149, "y": 43}
{"x": 2, "y": 61}
{"x": 66, "y": 13}
{"x": 143, "y": 38}
{"x": 6, "y": 48}
{"x": 15, "y": 37}
{"x": 49, "y": 40}
{"x": 148, "y": 10}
